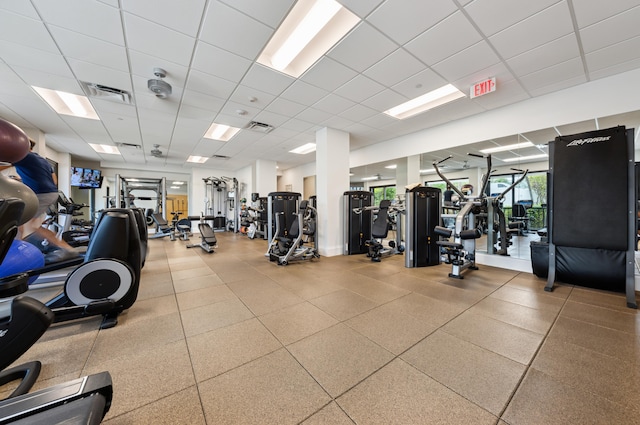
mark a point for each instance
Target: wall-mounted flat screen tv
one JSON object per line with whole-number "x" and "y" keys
{"x": 86, "y": 178}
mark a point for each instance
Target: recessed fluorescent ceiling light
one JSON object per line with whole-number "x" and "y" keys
{"x": 109, "y": 149}
{"x": 221, "y": 132}
{"x": 174, "y": 187}
{"x": 304, "y": 149}
{"x": 525, "y": 158}
{"x": 507, "y": 148}
{"x": 198, "y": 159}
{"x": 370, "y": 178}
{"x": 427, "y": 171}
{"x": 308, "y": 32}
{"x": 392, "y": 167}
{"x": 437, "y": 97}
{"x": 67, "y": 104}
{"x": 177, "y": 183}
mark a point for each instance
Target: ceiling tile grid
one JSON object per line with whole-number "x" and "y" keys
{"x": 399, "y": 50}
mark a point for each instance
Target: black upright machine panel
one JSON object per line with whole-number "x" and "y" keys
{"x": 591, "y": 222}
{"x": 357, "y": 224}
{"x": 281, "y": 202}
{"x": 423, "y": 207}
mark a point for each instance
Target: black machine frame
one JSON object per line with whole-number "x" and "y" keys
{"x": 597, "y": 256}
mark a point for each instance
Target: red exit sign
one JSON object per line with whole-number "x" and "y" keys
{"x": 483, "y": 87}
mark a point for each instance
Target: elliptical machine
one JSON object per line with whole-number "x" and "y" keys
{"x": 22, "y": 321}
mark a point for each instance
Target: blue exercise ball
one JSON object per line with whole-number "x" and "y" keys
{"x": 21, "y": 257}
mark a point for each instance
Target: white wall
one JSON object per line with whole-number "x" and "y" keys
{"x": 295, "y": 178}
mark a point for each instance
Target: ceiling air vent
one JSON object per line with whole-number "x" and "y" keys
{"x": 106, "y": 93}
{"x": 128, "y": 145}
{"x": 220, "y": 157}
{"x": 258, "y": 126}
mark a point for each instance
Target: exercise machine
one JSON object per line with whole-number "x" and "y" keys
{"x": 23, "y": 320}
{"x": 499, "y": 229}
{"x": 589, "y": 246}
{"x": 289, "y": 245}
{"x": 285, "y": 203}
{"x": 163, "y": 228}
{"x": 208, "y": 240}
{"x": 461, "y": 251}
{"x": 357, "y": 221}
{"x": 386, "y": 216}
{"x": 423, "y": 207}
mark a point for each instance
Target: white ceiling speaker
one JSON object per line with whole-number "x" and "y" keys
{"x": 161, "y": 88}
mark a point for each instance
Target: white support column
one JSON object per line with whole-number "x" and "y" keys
{"x": 407, "y": 172}
{"x": 332, "y": 180}
{"x": 265, "y": 178}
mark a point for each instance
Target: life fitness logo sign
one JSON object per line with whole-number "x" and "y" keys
{"x": 589, "y": 140}
{"x": 483, "y": 87}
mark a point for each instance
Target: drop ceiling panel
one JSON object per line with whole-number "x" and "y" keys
{"x": 589, "y": 12}
{"x": 313, "y": 115}
{"x": 484, "y": 12}
{"x": 303, "y": 93}
{"x": 611, "y": 31}
{"x": 358, "y": 112}
{"x": 456, "y": 29}
{"x": 616, "y": 69}
{"x": 98, "y": 20}
{"x": 198, "y": 99}
{"x": 352, "y": 53}
{"x": 384, "y": 100}
{"x": 359, "y": 89}
{"x": 89, "y": 49}
{"x": 403, "y": 20}
{"x": 216, "y": 61}
{"x": 262, "y": 78}
{"x": 478, "y": 56}
{"x": 168, "y": 13}
{"x": 41, "y": 78}
{"x": 20, "y": 7}
{"x": 558, "y": 85}
{"x": 270, "y": 13}
{"x": 620, "y": 53}
{"x": 333, "y": 104}
{"x": 26, "y": 57}
{"x": 285, "y": 107}
{"x": 549, "y": 54}
{"x": 234, "y": 31}
{"x": 527, "y": 34}
{"x": 156, "y": 40}
{"x": 252, "y": 98}
{"x": 560, "y": 72}
{"x": 396, "y": 67}
{"x": 328, "y": 74}
{"x": 209, "y": 85}
{"x": 420, "y": 83}
{"x": 361, "y": 8}
{"x": 30, "y": 32}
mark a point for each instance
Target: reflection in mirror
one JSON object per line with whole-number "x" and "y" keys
{"x": 511, "y": 155}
